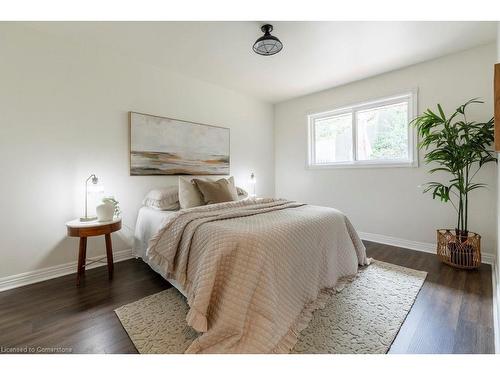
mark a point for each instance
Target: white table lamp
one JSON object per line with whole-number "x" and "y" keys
{"x": 94, "y": 190}
{"x": 253, "y": 183}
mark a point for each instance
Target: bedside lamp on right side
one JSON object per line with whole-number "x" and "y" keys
{"x": 253, "y": 182}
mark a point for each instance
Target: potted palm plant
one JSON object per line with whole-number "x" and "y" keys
{"x": 461, "y": 148}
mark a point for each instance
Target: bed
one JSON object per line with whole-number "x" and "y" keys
{"x": 252, "y": 271}
{"x": 149, "y": 221}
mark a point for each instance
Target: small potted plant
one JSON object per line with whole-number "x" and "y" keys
{"x": 460, "y": 148}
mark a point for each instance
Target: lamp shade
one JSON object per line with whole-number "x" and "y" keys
{"x": 267, "y": 44}
{"x": 253, "y": 183}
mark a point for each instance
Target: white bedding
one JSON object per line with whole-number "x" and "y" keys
{"x": 149, "y": 221}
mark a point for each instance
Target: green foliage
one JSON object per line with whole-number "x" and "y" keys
{"x": 329, "y": 129}
{"x": 392, "y": 135}
{"x": 460, "y": 148}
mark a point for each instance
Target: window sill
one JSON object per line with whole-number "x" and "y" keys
{"x": 355, "y": 165}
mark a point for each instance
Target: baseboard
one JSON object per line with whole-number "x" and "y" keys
{"x": 414, "y": 245}
{"x": 36, "y": 276}
{"x": 495, "y": 279}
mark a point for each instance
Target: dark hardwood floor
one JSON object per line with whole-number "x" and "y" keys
{"x": 452, "y": 313}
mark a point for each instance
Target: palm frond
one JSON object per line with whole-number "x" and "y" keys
{"x": 457, "y": 146}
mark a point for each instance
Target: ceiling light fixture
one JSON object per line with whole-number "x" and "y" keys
{"x": 267, "y": 44}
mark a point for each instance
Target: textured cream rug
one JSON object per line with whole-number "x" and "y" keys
{"x": 364, "y": 317}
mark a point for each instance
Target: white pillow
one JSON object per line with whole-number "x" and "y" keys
{"x": 163, "y": 199}
{"x": 242, "y": 194}
{"x": 190, "y": 195}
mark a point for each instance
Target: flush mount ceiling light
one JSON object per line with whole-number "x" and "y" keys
{"x": 267, "y": 44}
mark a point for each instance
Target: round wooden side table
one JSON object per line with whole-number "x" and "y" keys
{"x": 77, "y": 228}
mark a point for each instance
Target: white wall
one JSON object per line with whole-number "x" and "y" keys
{"x": 63, "y": 115}
{"x": 387, "y": 201}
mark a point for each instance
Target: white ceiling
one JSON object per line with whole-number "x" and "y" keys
{"x": 316, "y": 55}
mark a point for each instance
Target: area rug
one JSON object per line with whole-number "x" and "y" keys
{"x": 364, "y": 317}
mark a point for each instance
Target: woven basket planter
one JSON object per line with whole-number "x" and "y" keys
{"x": 460, "y": 251}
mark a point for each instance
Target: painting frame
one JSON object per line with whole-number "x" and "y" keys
{"x": 134, "y": 171}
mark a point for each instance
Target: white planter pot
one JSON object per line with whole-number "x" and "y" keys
{"x": 105, "y": 211}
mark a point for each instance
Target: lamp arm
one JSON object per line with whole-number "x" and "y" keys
{"x": 93, "y": 178}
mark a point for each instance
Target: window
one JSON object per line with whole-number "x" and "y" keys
{"x": 375, "y": 133}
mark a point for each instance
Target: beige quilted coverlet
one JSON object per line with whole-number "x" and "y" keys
{"x": 255, "y": 270}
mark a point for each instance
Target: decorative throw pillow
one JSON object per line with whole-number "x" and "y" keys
{"x": 189, "y": 194}
{"x": 242, "y": 194}
{"x": 232, "y": 187}
{"x": 216, "y": 191}
{"x": 163, "y": 199}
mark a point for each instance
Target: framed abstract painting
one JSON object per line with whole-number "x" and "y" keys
{"x": 165, "y": 146}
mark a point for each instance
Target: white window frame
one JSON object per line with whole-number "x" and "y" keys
{"x": 410, "y": 96}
